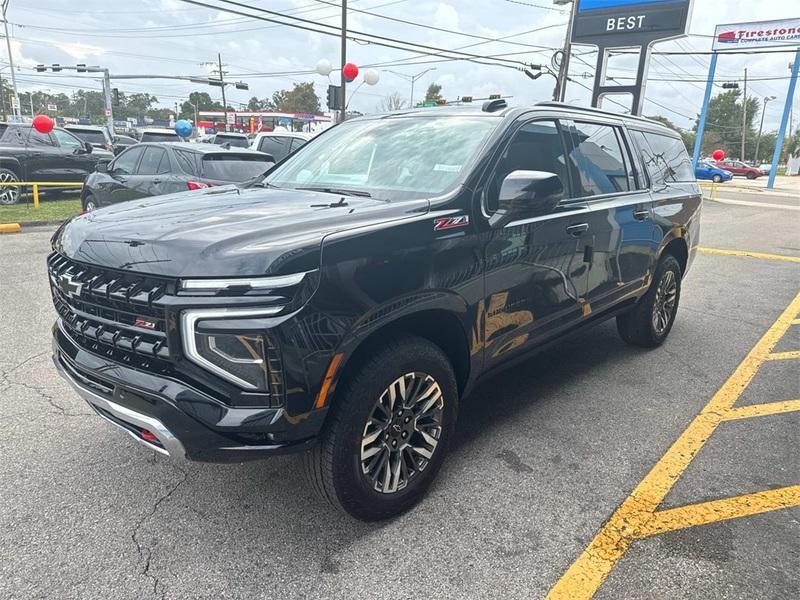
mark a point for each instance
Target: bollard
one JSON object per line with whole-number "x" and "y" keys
{"x": 35, "y": 195}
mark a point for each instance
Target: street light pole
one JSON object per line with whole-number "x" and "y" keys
{"x": 412, "y": 79}
{"x": 15, "y": 109}
{"x": 343, "y": 113}
{"x": 222, "y": 85}
{"x": 761, "y": 128}
{"x": 563, "y": 71}
{"x": 744, "y": 114}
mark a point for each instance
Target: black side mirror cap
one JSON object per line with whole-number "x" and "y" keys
{"x": 101, "y": 167}
{"x": 88, "y": 148}
{"x": 527, "y": 194}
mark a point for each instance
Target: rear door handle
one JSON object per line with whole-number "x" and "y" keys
{"x": 577, "y": 229}
{"x": 641, "y": 214}
{"x": 156, "y": 181}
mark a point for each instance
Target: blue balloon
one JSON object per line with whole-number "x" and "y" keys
{"x": 183, "y": 128}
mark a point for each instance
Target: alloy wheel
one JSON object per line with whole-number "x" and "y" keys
{"x": 402, "y": 432}
{"x": 665, "y": 302}
{"x": 8, "y": 194}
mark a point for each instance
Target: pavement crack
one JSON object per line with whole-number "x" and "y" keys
{"x": 146, "y": 552}
{"x": 23, "y": 363}
{"x": 49, "y": 399}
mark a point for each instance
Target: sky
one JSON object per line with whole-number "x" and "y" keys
{"x": 172, "y": 37}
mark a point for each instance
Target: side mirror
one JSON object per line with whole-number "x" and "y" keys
{"x": 527, "y": 194}
{"x": 114, "y": 139}
{"x": 87, "y": 147}
{"x": 101, "y": 167}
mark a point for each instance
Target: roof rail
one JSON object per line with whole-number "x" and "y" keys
{"x": 591, "y": 109}
{"x": 494, "y": 105}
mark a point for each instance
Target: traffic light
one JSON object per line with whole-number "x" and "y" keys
{"x": 730, "y": 86}
{"x": 115, "y": 97}
{"x": 41, "y": 68}
{"x": 81, "y": 68}
{"x": 241, "y": 85}
{"x": 335, "y": 100}
{"x": 56, "y": 67}
{"x": 494, "y": 96}
{"x": 466, "y": 98}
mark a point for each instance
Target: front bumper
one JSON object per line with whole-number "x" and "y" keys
{"x": 176, "y": 420}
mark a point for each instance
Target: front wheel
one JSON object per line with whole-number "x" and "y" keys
{"x": 751, "y": 175}
{"x": 9, "y": 194}
{"x": 388, "y": 433}
{"x": 651, "y": 320}
{"x": 89, "y": 203}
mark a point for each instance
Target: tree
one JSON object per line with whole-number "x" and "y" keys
{"x": 434, "y": 93}
{"x": 392, "y": 102}
{"x": 724, "y": 124}
{"x": 201, "y": 100}
{"x": 300, "y": 99}
{"x": 260, "y": 104}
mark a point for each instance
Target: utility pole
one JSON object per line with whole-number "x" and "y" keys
{"x": 343, "y": 113}
{"x": 222, "y": 85}
{"x": 761, "y": 128}
{"x": 744, "y": 115}
{"x": 16, "y": 109}
{"x": 109, "y": 103}
{"x": 563, "y": 71}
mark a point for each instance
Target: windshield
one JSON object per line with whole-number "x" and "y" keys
{"x": 93, "y": 137}
{"x": 232, "y": 167}
{"x": 391, "y": 159}
{"x": 160, "y": 137}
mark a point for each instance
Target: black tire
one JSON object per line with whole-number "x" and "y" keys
{"x": 90, "y": 203}
{"x": 717, "y": 179}
{"x": 9, "y": 194}
{"x": 334, "y": 467}
{"x": 751, "y": 175}
{"x": 640, "y": 326}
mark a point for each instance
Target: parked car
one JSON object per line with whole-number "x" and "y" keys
{"x": 159, "y": 135}
{"x": 123, "y": 141}
{"x": 279, "y": 144}
{"x": 709, "y": 171}
{"x": 737, "y": 167}
{"x": 765, "y": 168}
{"x": 380, "y": 273}
{"x": 95, "y": 135}
{"x": 153, "y": 169}
{"x": 235, "y": 140}
{"x": 58, "y": 156}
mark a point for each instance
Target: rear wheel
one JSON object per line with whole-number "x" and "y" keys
{"x": 717, "y": 178}
{"x": 388, "y": 432}
{"x": 751, "y": 175}
{"x": 9, "y": 194}
{"x": 651, "y": 320}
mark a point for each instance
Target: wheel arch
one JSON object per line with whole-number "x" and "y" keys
{"x": 12, "y": 164}
{"x": 679, "y": 249}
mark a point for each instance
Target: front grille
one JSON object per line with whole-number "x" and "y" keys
{"x": 114, "y": 314}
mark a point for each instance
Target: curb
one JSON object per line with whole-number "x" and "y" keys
{"x": 41, "y": 223}
{"x": 10, "y": 228}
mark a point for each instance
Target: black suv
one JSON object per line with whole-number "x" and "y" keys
{"x": 345, "y": 305}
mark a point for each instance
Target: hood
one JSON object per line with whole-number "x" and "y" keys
{"x": 222, "y": 231}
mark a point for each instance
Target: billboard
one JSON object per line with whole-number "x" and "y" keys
{"x": 626, "y": 23}
{"x": 760, "y": 34}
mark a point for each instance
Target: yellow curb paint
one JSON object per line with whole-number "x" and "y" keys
{"x": 784, "y": 355}
{"x": 10, "y": 228}
{"x": 762, "y": 410}
{"x": 747, "y": 254}
{"x": 631, "y": 521}
{"x": 714, "y": 511}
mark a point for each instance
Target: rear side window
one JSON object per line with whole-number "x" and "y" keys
{"x": 598, "y": 160}
{"x": 232, "y": 167}
{"x": 665, "y": 157}
{"x": 278, "y": 147}
{"x": 188, "y": 162}
{"x": 297, "y": 143}
{"x": 160, "y": 137}
{"x": 154, "y": 161}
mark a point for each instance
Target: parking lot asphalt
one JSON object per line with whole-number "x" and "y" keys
{"x": 546, "y": 457}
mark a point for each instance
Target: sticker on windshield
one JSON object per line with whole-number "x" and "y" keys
{"x": 447, "y": 168}
{"x": 450, "y": 222}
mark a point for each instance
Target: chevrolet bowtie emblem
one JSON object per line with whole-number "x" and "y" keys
{"x": 70, "y": 287}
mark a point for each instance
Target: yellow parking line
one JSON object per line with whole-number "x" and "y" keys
{"x": 748, "y": 254}
{"x": 784, "y": 355}
{"x": 762, "y": 410}
{"x": 631, "y": 520}
{"x": 725, "y": 509}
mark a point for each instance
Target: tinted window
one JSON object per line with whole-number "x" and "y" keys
{"x": 187, "y": 161}
{"x": 666, "y": 158}
{"x": 65, "y": 140}
{"x": 39, "y": 139}
{"x": 160, "y": 137}
{"x": 235, "y": 141}
{"x": 536, "y": 146}
{"x": 126, "y": 162}
{"x": 297, "y": 143}
{"x": 152, "y": 161}
{"x": 278, "y": 147}
{"x": 91, "y": 136}
{"x": 230, "y": 167}
{"x": 598, "y": 160}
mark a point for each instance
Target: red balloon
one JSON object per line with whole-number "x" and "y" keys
{"x": 719, "y": 155}
{"x": 43, "y": 123}
{"x": 350, "y": 71}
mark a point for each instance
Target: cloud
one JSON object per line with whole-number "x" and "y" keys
{"x": 78, "y": 50}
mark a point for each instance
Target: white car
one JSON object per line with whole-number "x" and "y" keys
{"x": 765, "y": 168}
{"x": 279, "y": 144}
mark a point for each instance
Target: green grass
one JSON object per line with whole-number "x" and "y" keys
{"x": 49, "y": 210}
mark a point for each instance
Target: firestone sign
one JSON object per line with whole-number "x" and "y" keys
{"x": 763, "y": 34}
{"x": 626, "y": 23}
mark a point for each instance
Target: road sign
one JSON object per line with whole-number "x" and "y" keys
{"x": 231, "y": 118}
{"x": 760, "y": 34}
{"x": 108, "y": 112}
{"x": 52, "y": 107}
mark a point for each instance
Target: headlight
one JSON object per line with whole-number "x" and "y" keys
{"x": 241, "y": 284}
{"x": 238, "y": 357}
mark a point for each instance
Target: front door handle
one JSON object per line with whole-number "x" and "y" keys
{"x": 577, "y": 229}
{"x": 641, "y": 214}
{"x": 156, "y": 180}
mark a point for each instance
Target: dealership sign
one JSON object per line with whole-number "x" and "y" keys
{"x": 763, "y": 34}
{"x": 626, "y": 23}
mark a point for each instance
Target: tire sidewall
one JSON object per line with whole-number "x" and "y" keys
{"x": 86, "y": 200}
{"x": 667, "y": 263}
{"x": 19, "y": 194}
{"x": 359, "y": 400}
{"x": 716, "y": 179}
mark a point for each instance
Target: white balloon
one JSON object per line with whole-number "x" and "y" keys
{"x": 324, "y": 67}
{"x": 371, "y": 77}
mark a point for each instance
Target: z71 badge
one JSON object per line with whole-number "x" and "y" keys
{"x": 450, "y": 222}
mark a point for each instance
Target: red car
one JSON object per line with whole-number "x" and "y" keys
{"x": 737, "y": 167}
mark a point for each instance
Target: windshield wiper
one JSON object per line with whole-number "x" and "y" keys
{"x": 338, "y": 191}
